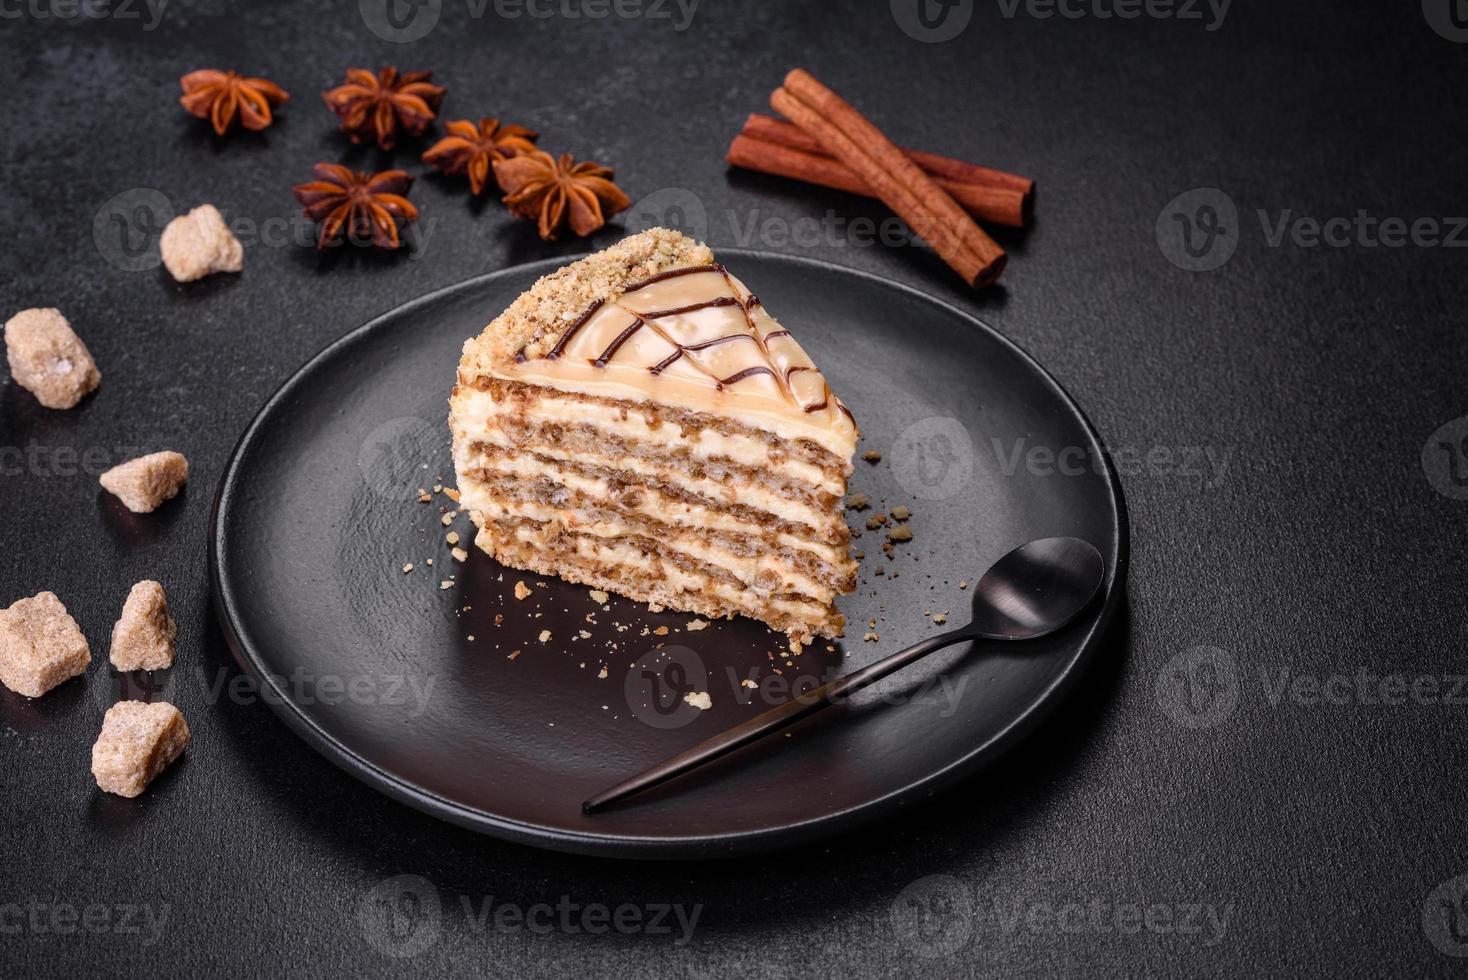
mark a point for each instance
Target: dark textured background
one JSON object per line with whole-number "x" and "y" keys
{"x": 1323, "y": 831}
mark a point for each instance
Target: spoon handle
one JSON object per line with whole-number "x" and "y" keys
{"x": 776, "y": 718}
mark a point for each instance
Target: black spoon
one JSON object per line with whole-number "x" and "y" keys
{"x": 1031, "y": 592}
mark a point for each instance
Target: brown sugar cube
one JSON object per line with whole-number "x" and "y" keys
{"x": 199, "y": 244}
{"x": 40, "y": 646}
{"x": 138, "y": 741}
{"x": 142, "y": 638}
{"x": 144, "y": 483}
{"x": 48, "y": 359}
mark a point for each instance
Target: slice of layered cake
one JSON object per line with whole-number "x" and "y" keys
{"x": 638, "y": 422}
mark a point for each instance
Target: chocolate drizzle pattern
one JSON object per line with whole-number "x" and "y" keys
{"x": 704, "y": 324}
{"x": 574, "y": 329}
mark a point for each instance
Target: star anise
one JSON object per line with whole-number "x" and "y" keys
{"x": 372, "y": 107}
{"x": 219, "y": 96}
{"x": 469, "y": 148}
{"x": 357, "y": 206}
{"x": 556, "y": 192}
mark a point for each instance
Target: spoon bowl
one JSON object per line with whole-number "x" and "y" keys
{"x": 1037, "y": 589}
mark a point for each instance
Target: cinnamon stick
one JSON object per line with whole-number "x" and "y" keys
{"x": 997, "y": 205}
{"x": 901, "y": 184}
{"x": 773, "y": 130}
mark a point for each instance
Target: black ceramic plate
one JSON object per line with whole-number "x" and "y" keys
{"x": 318, "y": 512}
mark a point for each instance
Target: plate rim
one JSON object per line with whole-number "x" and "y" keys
{"x": 680, "y": 846}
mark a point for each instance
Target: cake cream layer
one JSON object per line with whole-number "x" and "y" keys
{"x": 519, "y": 479}
{"x": 749, "y": 511}
{"x": 715, "y": 487}
{"x": 668, "y": 504}
{"x": 644, "y": 426}
{"x": 767, "y": 576}
{"x": 767, "y": 563}
{"x": 639, "y": 571}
